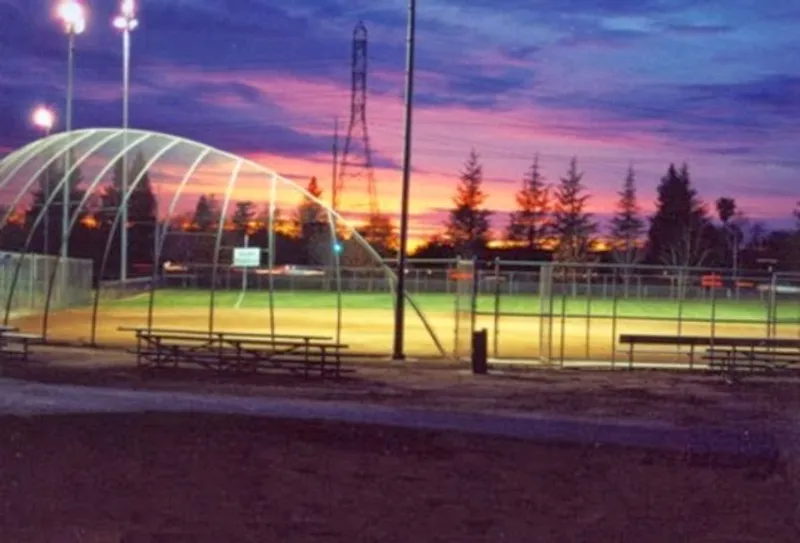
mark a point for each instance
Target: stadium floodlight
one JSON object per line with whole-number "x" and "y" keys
{"x": 73, "y": 15}
{"x": 126, "y": 22}
{"x": 44, "y": 118}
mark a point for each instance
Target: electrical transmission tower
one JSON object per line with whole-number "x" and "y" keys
{"x": 356, "y": 166}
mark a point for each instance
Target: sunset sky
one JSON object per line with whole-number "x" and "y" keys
{"x": 614, "y": 82}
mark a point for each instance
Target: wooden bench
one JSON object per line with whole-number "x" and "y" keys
{"x": 729, "y": 355}
{"x": 734, "y": 357}
{"x": 242, "y": 352}
{"x": 11, "y": 337}
{"x": 692, "y": 342}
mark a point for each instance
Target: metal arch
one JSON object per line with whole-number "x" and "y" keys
{"x": 234, "y": 177}
{"x": 45, "y": 207}
{"x": 131, "y": 187}
{"x": 31, "y": 180}
{"x": 85, "y": 133}
{"x": 160, "y": 247}
{"x": 65, "y": 238}
{"x": 31, "y": 148}
{"x": 389, "y": 272}
{"x": 225, "y": 154}
{"x": 109, "y": 164}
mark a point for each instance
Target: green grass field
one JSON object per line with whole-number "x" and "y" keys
{"x": 722, "y": 310}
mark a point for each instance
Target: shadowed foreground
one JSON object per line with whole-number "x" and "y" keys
{"x": 172, "y": 477}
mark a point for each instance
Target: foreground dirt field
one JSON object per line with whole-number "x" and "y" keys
{"x": 173, "y": 478}
{"x": 371, "y": 330}
{"x": 677, "y": 397}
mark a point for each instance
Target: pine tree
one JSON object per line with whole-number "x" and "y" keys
{"x": 50, "y": 189}
{"x": 731, "y": 229}
{"x": 243, "y": 217}
{"x": 627, "y": 225}
{"x": 141, "y": 201}
{"x": 793, "y": 258}
{"x": 572, "y": 224}
{"x": 380, "y": 233}
{"x": 529, "y": 223}
{"x": 311, "y": 225}
{"x": 468, "y": 225}
{"x": 142, "y": 213}
{"x": 206, "y": 212}
{"x": 679, "y": 232}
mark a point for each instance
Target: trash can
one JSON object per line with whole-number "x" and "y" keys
{"x": 479, "y": 352}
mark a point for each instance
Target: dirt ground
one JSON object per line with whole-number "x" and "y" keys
{"x": 371, "y": 330}
{"x": 173, "y": 478}
{"x": 677, "y": 397}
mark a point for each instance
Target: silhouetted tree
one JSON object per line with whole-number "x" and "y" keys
{"x": 732, "y": 220}
{"x": 206, "y": 212}
{"x": 794, "y": 248}
{"x": 726, "y": 209}
{"x": 435, "y": 247}
{"x": 796, "y": 214}
{"x": 141, "y": 206}
{"x": 312, "y": 227}
{"x": 379, "y": 232}
{"x": 12, "y": 230}
{"x": 355, "y": 255}
{"x": 142, "y": 219}
{"x": 529, "y": 223}
{"x": 468, "y": 225}
{"x": 51, "y": 187}
{"x": 627, "y": 225}
{"x": 679, "y": 232}
{"x": 243, "y": 217}
{"x": 572, "y": 224}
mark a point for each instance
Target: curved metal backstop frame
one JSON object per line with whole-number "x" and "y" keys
{"x": 62, "y": 146}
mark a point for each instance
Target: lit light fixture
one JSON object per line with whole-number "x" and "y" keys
{"x": 43, "y": 118}
{"x": 73, "y": 14}
{"x": 126, "y": 20}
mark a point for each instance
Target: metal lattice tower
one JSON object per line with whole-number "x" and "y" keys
{"x": 356, "y": 166}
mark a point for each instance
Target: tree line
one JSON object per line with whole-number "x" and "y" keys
{"x": 307, "y": 235}
{"x": 552, "y": 222}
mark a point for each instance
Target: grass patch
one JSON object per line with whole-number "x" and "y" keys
{"x": 631, "y": 308}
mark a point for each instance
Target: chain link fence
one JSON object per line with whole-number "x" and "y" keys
{"x": 25, "y": 281}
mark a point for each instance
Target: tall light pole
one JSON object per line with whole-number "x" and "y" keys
{"x": 127, "y": 23}
{"x": 44, "y": 118}
{"x": 399, "y": 317}
{"x": 73, "y": 15}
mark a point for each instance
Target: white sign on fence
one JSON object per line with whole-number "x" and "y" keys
{"x": 247, "y": 257}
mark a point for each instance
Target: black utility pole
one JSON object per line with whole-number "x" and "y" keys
{"x": 399, "y": 316}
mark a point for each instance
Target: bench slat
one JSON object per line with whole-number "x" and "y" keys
{"x": 237, "y": 351}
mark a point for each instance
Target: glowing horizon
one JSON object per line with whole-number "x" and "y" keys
{"x": 611, "y": 84}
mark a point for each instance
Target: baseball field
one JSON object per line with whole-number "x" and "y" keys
{"x": 581, "y": 328}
